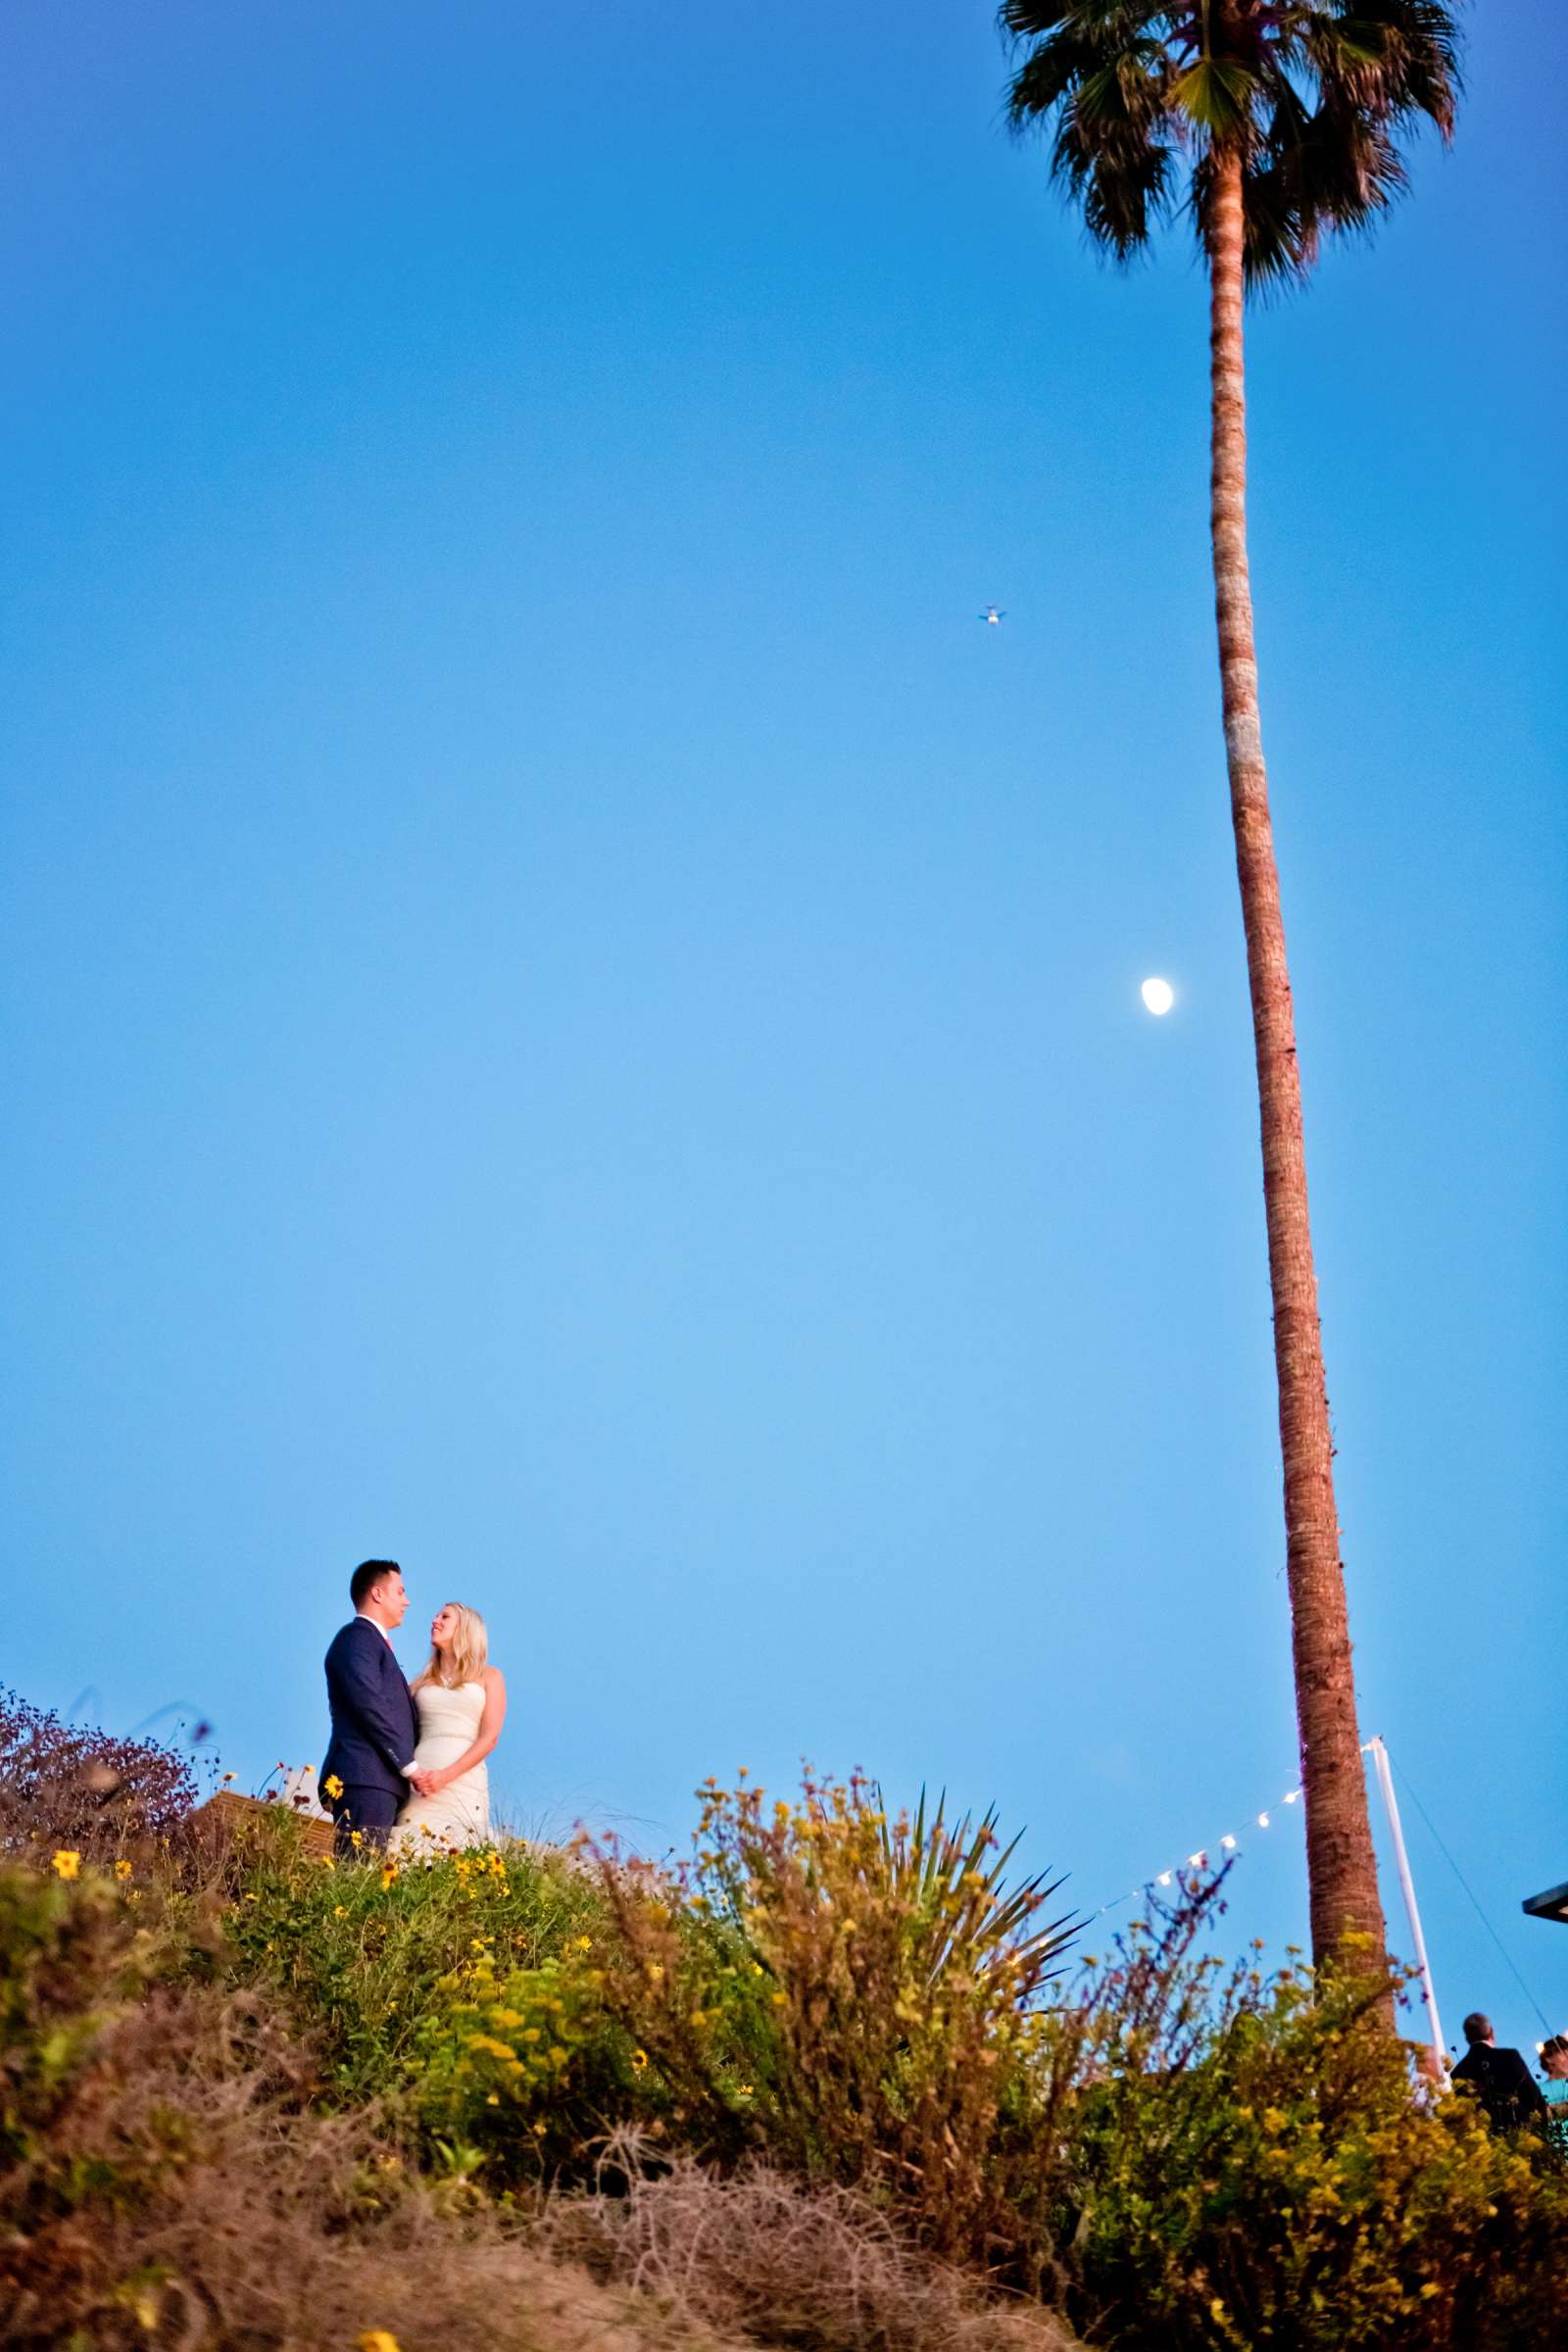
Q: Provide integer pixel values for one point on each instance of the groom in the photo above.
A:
(369, 1758)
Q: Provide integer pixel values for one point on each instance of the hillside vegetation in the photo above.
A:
(836, 2085)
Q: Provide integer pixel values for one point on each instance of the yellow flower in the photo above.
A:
(337, 1911)
(121, 1868)
(67, 1865)
(585, 1943)
(356, 1839)
(639, 2059)
(334, 1788)
(376, 2339)
(389, 1874)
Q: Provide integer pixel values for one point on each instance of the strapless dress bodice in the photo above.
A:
(459, 1814)
(450, 1717)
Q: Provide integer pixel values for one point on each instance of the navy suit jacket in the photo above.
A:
(374, 1726)
(1503, 2084)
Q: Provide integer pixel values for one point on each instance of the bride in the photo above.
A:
(461, 1704)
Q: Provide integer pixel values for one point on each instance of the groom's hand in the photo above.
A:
(425, 1784)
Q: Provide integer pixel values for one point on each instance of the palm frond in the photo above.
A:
(1218, 95)
(1398, 58)
(1313, 95)
(1022, 19)
(1123, 204)
(1051, 71)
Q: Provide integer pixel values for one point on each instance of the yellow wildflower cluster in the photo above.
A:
(515, 2039)
(481, 1873)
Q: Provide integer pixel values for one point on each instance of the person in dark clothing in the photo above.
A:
(369, 1768)
(1499, 2080)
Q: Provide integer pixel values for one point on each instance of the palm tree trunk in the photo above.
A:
(1341, 1869)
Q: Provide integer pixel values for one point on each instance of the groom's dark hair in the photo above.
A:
(366, 1576)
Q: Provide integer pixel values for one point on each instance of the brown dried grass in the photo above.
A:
(815, 2268)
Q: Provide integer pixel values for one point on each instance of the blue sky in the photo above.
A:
(572, 1015)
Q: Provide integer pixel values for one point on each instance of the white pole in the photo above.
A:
(1380, 1759)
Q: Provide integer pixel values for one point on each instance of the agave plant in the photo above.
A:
(861, 1998)
(951, 1884)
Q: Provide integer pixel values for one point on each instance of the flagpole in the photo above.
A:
(1390, 1806)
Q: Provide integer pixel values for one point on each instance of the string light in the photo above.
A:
(1199, 1861)
(1230, 1844)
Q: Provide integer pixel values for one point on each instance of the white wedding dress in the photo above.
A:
(459, 1813)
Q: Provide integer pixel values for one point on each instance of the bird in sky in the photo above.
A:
(992, 617)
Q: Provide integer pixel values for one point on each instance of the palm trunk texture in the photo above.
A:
(1341, 1869)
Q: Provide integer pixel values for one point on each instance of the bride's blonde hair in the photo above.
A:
(466, 1652)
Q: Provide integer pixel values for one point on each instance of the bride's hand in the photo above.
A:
(425, 1784)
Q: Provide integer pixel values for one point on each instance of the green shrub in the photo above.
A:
(82, 1972)
(859, 1998)
(855, 1999)
(367, 1954)
(528, 2070)
(1178, 2158)
(1257, 2163)
(67, 1956)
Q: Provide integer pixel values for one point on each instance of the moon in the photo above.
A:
(1158, 995)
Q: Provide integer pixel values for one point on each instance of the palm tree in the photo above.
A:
(1273, 122)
